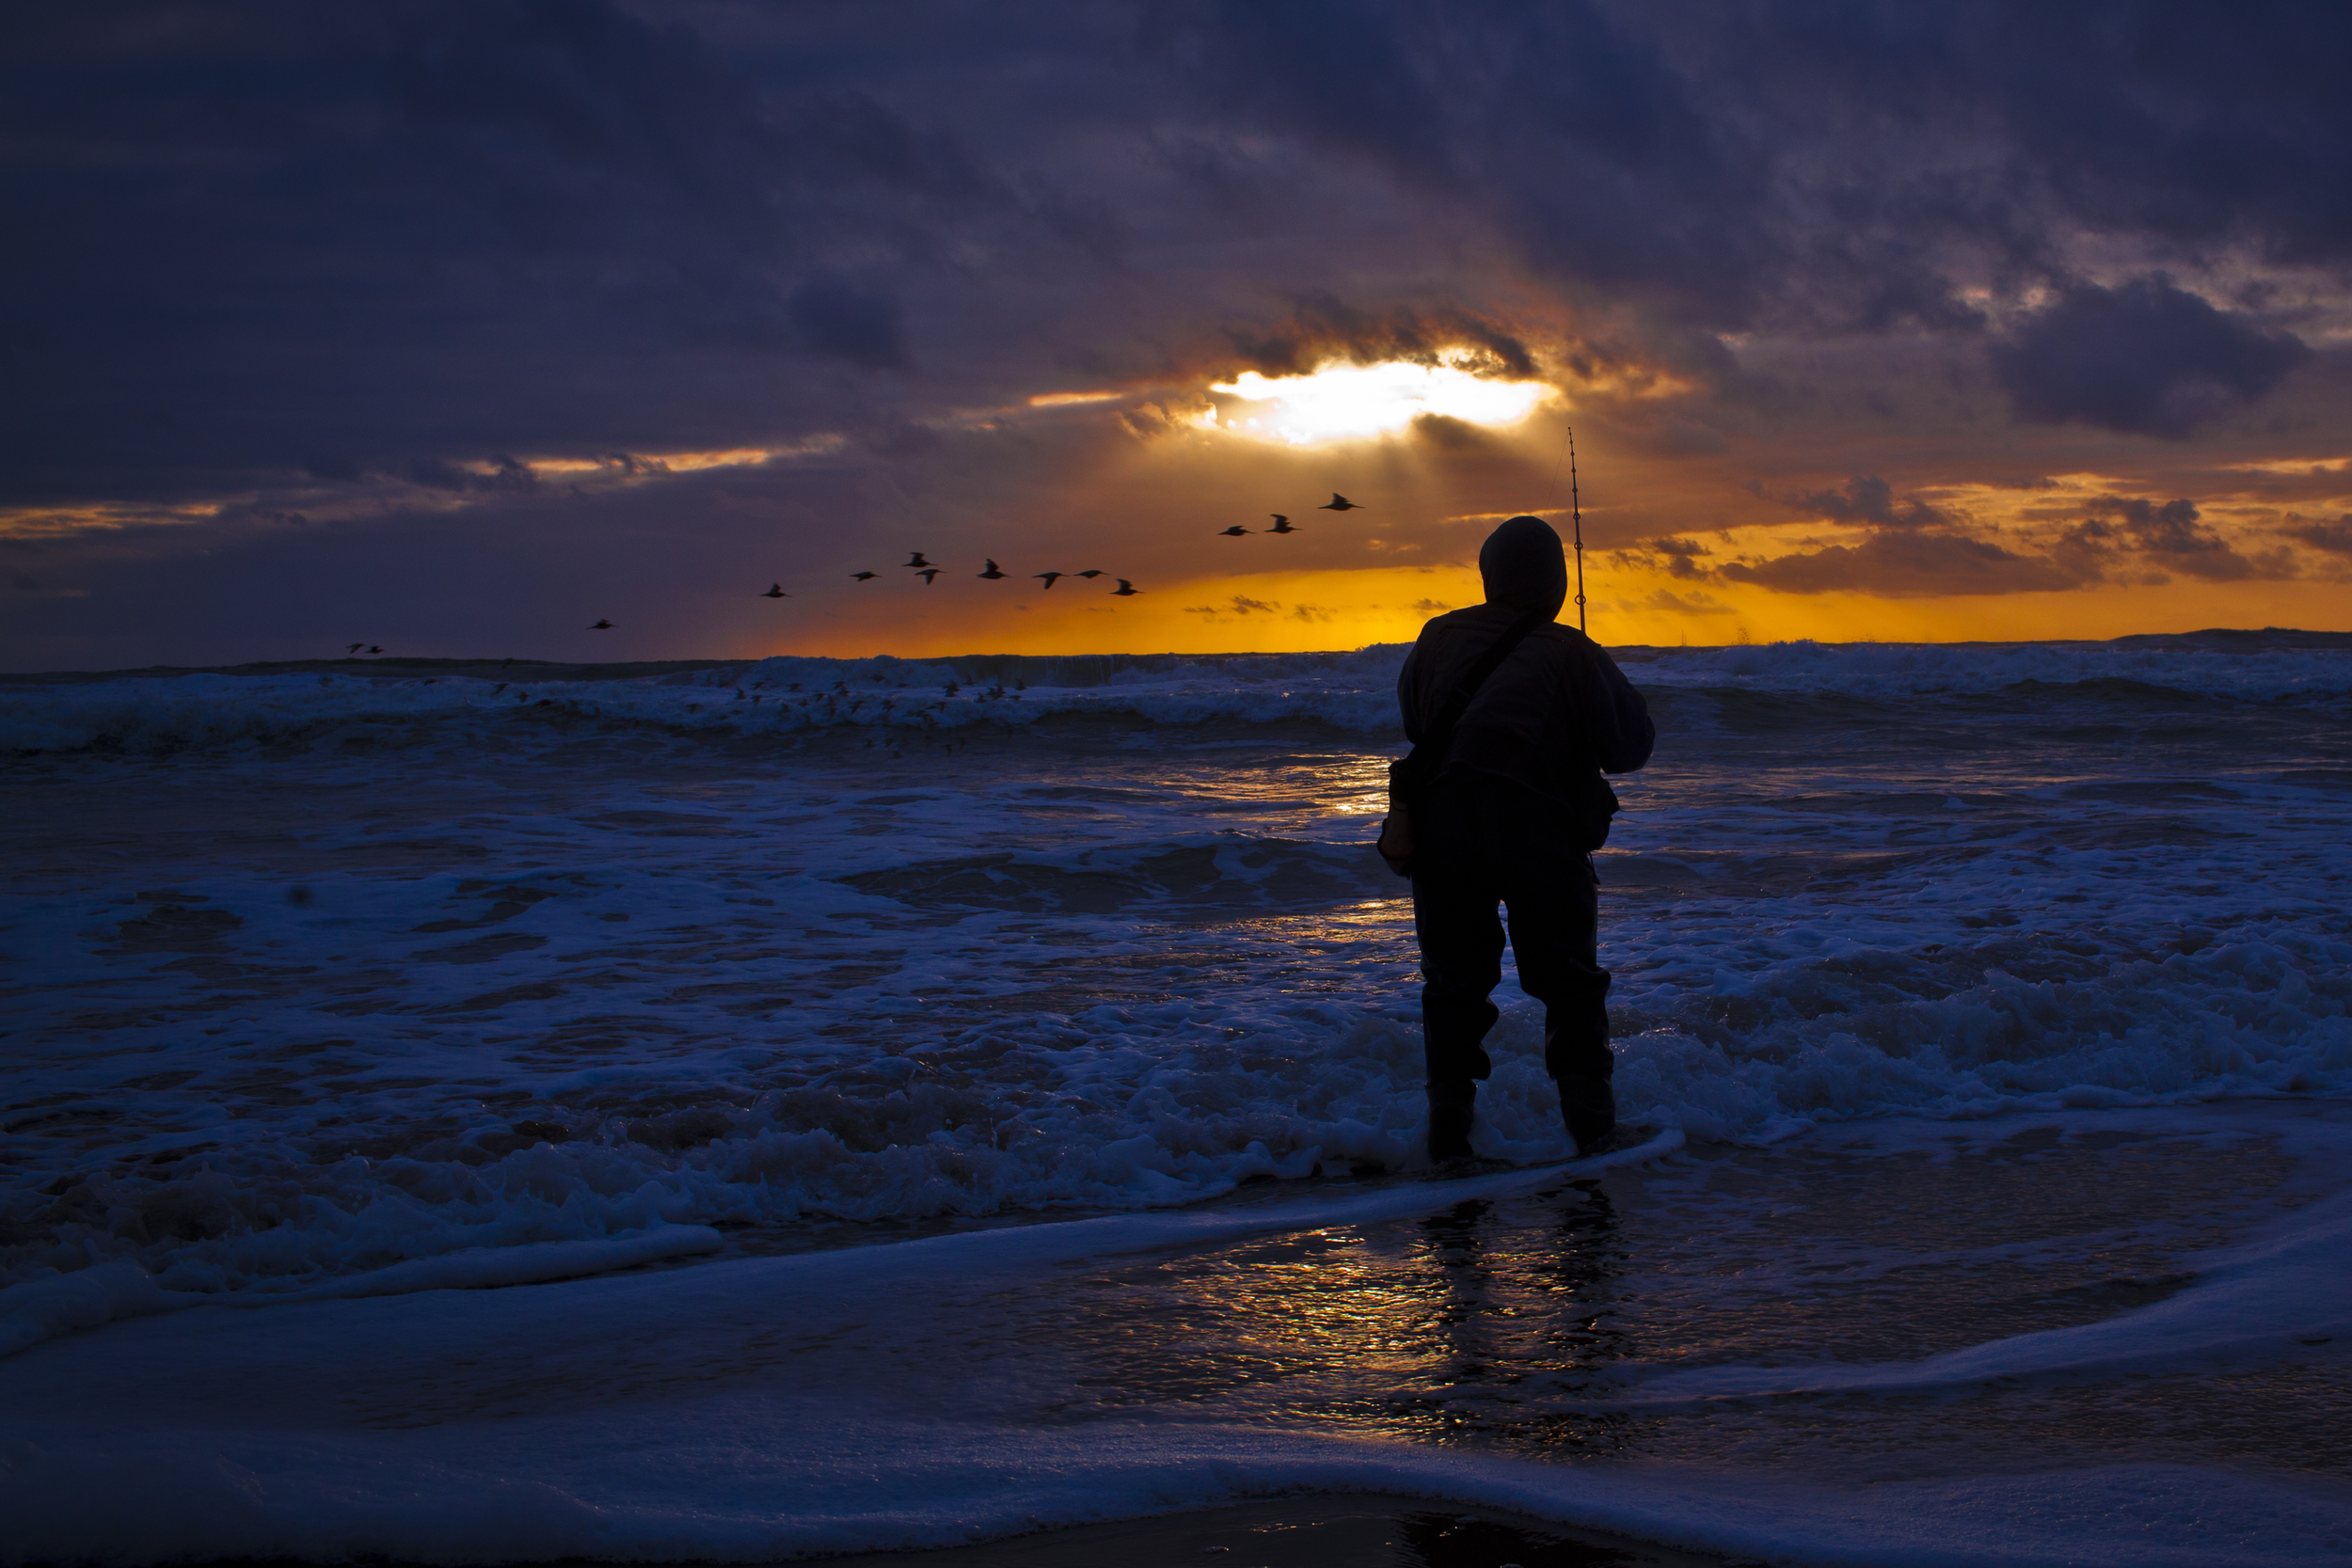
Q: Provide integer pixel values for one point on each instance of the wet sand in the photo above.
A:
(1726, 1345)
(1315, 1532)
(1321, 1531)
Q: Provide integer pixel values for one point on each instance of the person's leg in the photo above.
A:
(1555, 942)
(1555, 946)
(1461, 963)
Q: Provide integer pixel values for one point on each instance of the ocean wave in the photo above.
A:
(1147, 1104)
(1351, 691)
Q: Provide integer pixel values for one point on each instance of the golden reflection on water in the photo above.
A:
(1427, 1329)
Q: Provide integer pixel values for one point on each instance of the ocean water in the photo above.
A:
(2022, 970)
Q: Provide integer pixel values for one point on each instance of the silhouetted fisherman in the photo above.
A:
(1514, 807)
(775, 591)
(863, 576)
(992, 573)
(1282, 523)
(1233, 532)
(1047, 578)
(1339, 504)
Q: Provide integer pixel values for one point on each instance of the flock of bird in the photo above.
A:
(923, 568)
(928, 571)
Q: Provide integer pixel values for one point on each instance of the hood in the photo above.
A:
(1524, 566)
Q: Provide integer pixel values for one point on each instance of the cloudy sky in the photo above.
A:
(455, 328)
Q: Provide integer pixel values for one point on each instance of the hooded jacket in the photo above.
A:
(1557, 713)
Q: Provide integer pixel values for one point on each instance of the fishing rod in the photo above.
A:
(1576, 518)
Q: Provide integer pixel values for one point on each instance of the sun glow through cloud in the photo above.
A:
(1341, 403)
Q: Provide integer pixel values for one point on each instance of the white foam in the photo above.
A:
(62, 1303)
(479, 1268)
(110, 1292)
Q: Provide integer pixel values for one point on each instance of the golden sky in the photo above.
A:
(1989, 534)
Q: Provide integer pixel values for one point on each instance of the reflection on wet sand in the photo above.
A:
(1433, 1329)
(1529, 1324)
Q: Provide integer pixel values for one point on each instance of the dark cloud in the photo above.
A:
(1451, 435)
(2335, 538)
(1834, 164)
(1904, 563)
(501, 473)
(1678, 557)
(1865, 500)
(1321, 328)
(1238, 606)
(251, 239)
(263, 239)
(2146, 359)
(2124, 539)
(836, 317)
(1698, 602)
(2168, 537)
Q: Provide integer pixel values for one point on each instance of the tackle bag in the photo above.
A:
(1416, 770)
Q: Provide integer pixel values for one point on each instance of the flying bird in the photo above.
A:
(355, 647)
(1096, 573)
(1124, 589)
(602, 624)
(916, 561)
(775, 591)
(1233, 532)
(1339, 504)
(865, 576)
(992, 573)
(930, 575)
(376, 648)
(1281, 524)
(1048, 577)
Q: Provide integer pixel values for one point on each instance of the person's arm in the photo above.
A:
(1408, 695)
(1621, 730)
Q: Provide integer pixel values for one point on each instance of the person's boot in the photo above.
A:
(1450, 1105)
(1589, 1107)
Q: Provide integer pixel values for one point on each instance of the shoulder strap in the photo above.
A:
(1440, 729)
